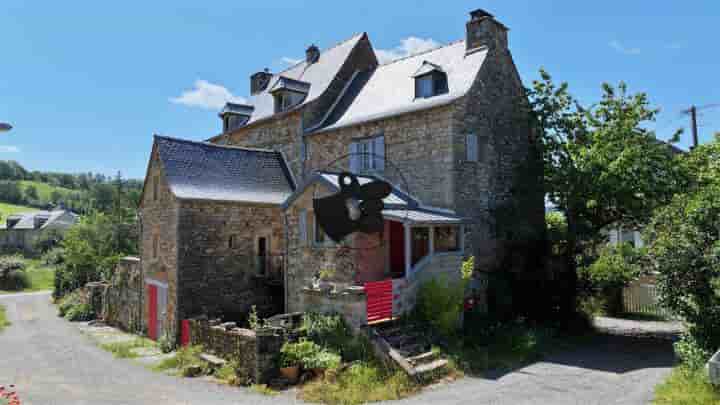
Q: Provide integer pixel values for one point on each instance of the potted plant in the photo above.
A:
(321, 361)
(289, 363)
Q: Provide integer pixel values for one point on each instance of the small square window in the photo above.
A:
(232, 242)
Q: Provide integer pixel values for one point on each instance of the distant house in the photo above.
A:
(21, 231)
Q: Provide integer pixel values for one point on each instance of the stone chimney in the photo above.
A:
(312, 54)
(259, 81)
(484, 30)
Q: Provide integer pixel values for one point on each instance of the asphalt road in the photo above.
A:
(50, 362)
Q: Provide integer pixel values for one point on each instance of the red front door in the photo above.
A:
(397, 249)
(152, 311)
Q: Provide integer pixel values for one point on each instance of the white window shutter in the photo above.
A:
(379, 153)
(354, 157)
(302, 225)
(471, 147)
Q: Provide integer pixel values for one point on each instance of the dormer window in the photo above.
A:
(288, 93)
(235, 116)
(430, 80)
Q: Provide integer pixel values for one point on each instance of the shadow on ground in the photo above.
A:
(604, 352)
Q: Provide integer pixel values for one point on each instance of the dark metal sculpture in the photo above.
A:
(355, 208)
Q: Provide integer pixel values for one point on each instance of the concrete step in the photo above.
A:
(423, 358)
(429, 367)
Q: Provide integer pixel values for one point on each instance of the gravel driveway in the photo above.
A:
(50, 362)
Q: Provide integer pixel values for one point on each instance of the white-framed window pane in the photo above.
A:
(379, 153)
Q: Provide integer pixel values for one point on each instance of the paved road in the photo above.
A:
(52, 363)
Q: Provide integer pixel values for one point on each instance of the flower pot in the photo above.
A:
(318, 371)
(291, 373)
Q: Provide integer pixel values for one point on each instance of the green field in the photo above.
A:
(44, 190)
(9, 209)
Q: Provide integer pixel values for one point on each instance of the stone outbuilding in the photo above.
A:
(212, 232)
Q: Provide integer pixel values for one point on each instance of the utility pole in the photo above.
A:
(693, 122)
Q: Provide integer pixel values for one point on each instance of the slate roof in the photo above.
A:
(390, 89)
(318, 75)
(399, 205)
(27, 220)
(235, 108)
(205, 171)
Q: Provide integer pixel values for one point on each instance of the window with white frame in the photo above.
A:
(475, 148)
(368, 155)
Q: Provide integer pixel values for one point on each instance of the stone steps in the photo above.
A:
(408, 347)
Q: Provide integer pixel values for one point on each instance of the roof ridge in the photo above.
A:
(337, 44)
(449, 44)
(215, 145)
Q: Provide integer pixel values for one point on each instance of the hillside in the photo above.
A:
(44, 190)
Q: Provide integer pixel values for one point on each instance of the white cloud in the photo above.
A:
(616, 45)
(290, 61)
(408, 46)
(9, 149)
(207, 95)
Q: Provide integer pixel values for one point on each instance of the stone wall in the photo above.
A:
(123, 298)
(159, 221)
(307, 258)
(350, 302)
(220, 277)
(502, 194)
(417, 143)
(282, 133)
(256, 353)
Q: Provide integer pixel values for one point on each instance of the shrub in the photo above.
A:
(331, 332)
(690, 353)
(53, 257)
(614, 269)
(322, 359)
(72, 308)
(12, 273)
(440, 304)
(80, 312)
(688, 387)
(295, 354)
(166, 342)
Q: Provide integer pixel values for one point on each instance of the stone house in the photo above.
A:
(22, 231)
(448, 128)
(211, 231)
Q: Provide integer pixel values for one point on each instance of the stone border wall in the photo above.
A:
(120, 302)
(257, 353)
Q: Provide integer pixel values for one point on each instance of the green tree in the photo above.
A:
(601, 166)
(31, 193)
(683, 241)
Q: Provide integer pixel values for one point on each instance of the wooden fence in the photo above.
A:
(643, 298)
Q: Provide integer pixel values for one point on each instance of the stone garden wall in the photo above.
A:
(257, 353)
(120, 302)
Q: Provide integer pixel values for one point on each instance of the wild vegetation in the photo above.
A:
(82, 193)
(4, 323)
(632, 172)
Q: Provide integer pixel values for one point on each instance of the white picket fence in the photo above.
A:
(643, 298)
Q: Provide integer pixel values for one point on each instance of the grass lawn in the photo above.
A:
(44, 190)
(687, 387)
(3, 319)
(9, 209)
(40, 277)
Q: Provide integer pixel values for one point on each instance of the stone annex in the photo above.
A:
(228, 224)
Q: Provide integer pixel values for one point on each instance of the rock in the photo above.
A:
(192, 371)
(228, 325)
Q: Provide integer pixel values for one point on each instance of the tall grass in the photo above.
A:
(4, 323)
(124, 350)
(688, 387)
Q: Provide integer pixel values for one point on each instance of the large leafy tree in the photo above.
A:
(602, 166)
(684, 247)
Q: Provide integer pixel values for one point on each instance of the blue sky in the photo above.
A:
(86, 84)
